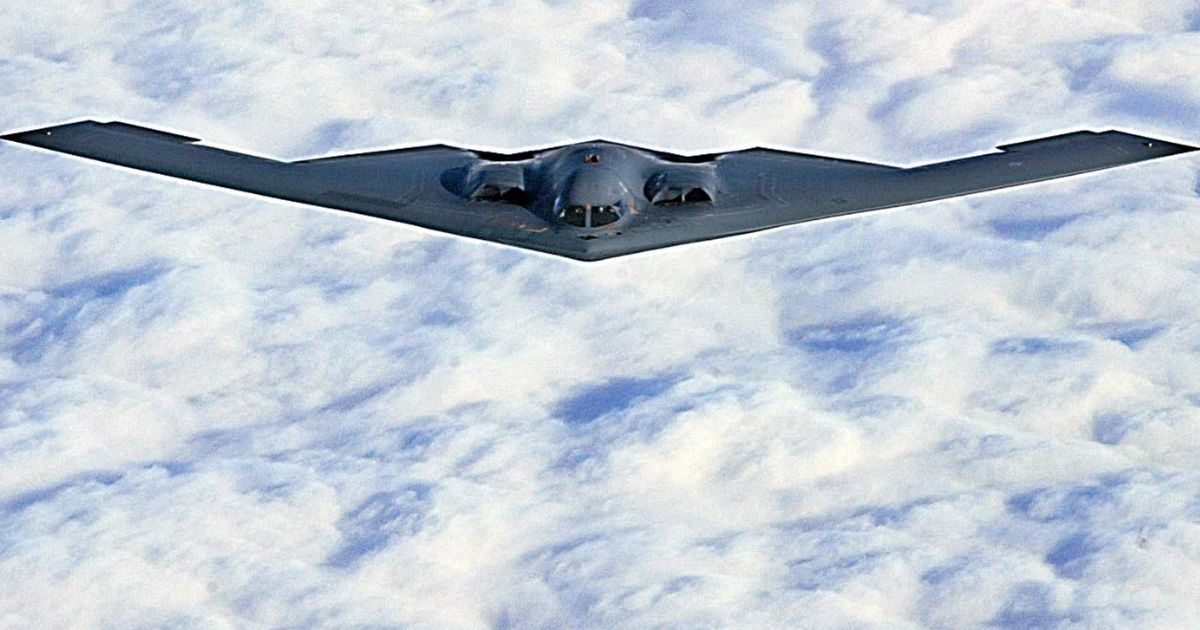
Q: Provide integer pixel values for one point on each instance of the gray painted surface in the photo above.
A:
(553, 200)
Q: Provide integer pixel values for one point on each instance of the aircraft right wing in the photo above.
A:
(767, 188)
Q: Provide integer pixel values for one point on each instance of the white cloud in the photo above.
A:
(1159, 68)
(222, 411)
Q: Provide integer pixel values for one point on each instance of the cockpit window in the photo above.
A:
(590, 216)
(603, 215)
(575, 215)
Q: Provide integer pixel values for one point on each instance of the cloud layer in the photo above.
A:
(218, 411)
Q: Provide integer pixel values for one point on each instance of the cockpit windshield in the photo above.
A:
(603, 215)
(574, 215)
(590, 216)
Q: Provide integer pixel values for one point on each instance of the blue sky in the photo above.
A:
(221, 411)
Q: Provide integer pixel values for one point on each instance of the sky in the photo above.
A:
(223, 411)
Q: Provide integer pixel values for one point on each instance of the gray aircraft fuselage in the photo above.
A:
(588, 188)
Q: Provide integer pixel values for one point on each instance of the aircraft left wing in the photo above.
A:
(399, 185)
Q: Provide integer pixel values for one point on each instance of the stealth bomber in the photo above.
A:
(599, 199)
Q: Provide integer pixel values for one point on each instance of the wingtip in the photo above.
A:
(1166, 147)
(56, 135)
(23, 137)
(40, 135)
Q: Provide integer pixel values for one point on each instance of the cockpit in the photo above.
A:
(592, 195)
(590, 216)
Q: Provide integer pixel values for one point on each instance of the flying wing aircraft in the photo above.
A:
(599, 199)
